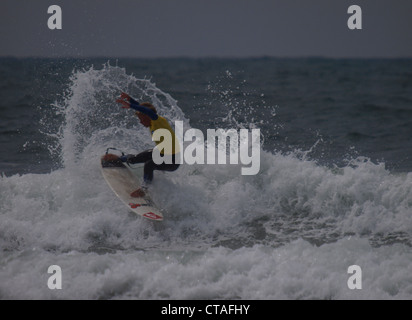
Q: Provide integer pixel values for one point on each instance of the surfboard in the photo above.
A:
(123, 182)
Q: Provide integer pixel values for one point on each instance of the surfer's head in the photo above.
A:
(145, 119)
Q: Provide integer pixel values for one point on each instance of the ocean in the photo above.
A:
(334, 187)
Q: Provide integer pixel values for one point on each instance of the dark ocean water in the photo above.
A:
(334, 187)
(361, 107)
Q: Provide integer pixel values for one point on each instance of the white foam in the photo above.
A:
(295, 271)
(225, 235)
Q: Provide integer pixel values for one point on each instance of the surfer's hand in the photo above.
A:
(124, 100)
(124, 96)
(126, 158)
(125, 104)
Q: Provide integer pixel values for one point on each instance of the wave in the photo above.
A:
(205, 205)
(289, 232)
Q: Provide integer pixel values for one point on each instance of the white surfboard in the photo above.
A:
(123, 182)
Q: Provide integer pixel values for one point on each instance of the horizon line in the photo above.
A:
(211, 57)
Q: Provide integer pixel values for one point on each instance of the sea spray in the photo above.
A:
(289, 197)
(289, 232)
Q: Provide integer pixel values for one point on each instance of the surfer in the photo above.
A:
(149, 118)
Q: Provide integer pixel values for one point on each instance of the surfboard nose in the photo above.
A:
(111, 160)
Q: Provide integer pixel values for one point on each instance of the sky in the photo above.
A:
(206, 28)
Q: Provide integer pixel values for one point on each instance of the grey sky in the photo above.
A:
(198, 28)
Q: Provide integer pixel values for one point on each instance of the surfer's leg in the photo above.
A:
(147, 179)
(165, 166)
(150, 166)
(141, 157)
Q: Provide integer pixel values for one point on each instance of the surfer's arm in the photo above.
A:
(128, 102)
(136, 106)
(133, 101)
